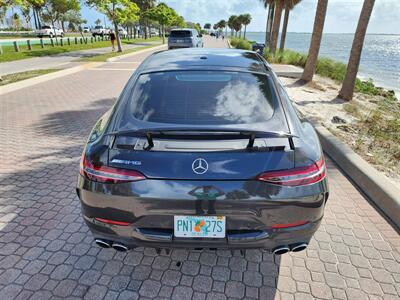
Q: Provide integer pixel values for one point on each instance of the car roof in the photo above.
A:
(179, 29)
(205, 58)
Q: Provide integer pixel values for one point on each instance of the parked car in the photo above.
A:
(122, 32)
(100, 30)
(85, 29)
(50, 31)
(184, 38)
(203, 149)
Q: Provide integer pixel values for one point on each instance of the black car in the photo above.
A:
(203, 149)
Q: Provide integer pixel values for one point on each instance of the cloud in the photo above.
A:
(342, 15)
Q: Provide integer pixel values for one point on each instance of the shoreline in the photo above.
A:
(380, 59)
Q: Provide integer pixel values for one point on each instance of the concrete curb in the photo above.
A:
(42, 78)
(111, 59)
(374, 184)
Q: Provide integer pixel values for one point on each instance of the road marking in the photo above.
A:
(111, 69)
(125, 62)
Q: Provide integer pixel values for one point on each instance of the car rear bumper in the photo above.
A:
(149, 207)
(180, 45)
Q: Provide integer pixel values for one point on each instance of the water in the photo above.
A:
(380, 57)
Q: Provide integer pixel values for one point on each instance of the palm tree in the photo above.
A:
(289, 4)
(144, 6)
(246, 19)
(270, 4)
(347, 90)
(316, 37)
(231, 23)
(279, 4)
(237, 24)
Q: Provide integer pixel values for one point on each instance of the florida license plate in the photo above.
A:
(199, 226)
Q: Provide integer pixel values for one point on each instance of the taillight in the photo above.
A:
(297, 176)
(107, 174)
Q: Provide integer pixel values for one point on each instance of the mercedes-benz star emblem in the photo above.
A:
(200, 166)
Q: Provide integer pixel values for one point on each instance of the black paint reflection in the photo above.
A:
(206, 193)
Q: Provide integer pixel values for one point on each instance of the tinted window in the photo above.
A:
(201, 97)
(98, 27)
(181, 33)
(46, 27)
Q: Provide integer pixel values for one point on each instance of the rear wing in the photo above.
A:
(202, 134)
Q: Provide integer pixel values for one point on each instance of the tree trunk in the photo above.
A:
(34, 18)
(163, 33)
(117, 37)
(63, 26)
(347, 90)
(55, 35)
(244, 34)
(271, 10)
(275, 27)
(316, 37)
(284, 29)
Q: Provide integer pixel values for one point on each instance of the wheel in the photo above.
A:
(50, 35)
(93, 35)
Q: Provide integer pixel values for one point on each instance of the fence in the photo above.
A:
(53, 42)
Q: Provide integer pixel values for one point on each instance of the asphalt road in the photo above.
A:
(46, 250)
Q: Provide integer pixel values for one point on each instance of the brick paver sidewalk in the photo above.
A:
(46, 250)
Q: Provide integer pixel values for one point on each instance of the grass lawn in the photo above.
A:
(105, 56)
(10, 55)
(10, 78)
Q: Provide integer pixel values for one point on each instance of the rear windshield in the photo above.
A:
(180, 33)
(98, 27)
(46, 27)
(201, 98)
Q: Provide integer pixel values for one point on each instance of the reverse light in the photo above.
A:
(298, 176)
(107, 174)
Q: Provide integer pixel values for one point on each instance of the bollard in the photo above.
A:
(52, 42)
(16, 46)
(41, 43)
(102, 38)
(91, 39)
(61, 42)
(68, 42)
(86, 40)
(28, 43)
(80, 41)
(76, 41)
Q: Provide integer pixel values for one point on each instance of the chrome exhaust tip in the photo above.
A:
(298, 247)
(281, 250)
(120, 247)
(103, 243)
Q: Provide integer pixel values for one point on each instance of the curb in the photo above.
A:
(111, 59)
(380, 190)
(39, 79)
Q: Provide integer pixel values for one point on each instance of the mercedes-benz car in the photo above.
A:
(203, 149)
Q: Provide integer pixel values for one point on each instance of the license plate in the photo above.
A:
(199, 226)
(179, 41)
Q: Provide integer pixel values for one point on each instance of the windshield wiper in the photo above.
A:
(203, 134)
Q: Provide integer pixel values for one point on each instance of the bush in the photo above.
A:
(240, 43)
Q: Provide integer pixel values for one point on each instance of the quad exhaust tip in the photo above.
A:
(120, 247)
(281, 250)
(298, 247)
(103, 243)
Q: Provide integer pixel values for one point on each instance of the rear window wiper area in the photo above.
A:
(203, 134)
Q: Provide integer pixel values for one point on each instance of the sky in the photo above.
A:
(342, 15)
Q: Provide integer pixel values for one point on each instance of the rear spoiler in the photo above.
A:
(202, 134)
